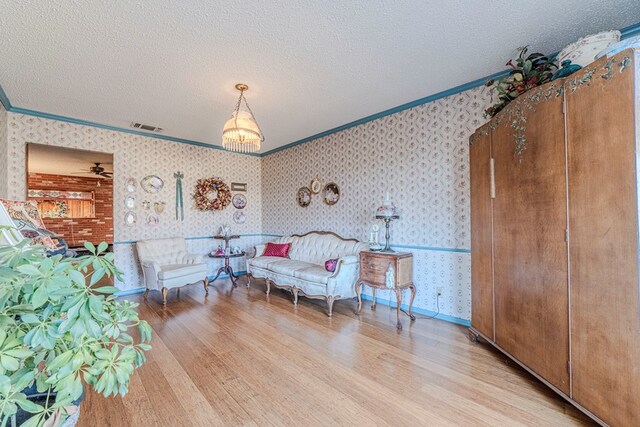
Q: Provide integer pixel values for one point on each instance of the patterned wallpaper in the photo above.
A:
(138, 156)
(3, 151)
(419, 156)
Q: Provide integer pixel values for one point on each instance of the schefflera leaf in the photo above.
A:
(59, 328)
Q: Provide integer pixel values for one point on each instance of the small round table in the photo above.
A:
(226, 268)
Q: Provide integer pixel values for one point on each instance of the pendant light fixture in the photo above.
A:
(241, 132)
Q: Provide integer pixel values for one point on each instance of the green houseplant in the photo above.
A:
(528, 71)
(60, 330)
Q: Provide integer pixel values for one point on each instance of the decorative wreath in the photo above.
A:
(206, 188)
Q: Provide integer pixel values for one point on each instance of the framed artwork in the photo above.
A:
(331, 194)
(238, 186)
(304, 197)
(239, 201)
(315, 185)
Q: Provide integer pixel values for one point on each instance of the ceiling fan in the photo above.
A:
(97, 170)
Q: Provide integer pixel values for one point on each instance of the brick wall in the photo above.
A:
(78, 230)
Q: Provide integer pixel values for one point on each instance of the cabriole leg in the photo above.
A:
(398, 309)
(330, 305)
(165, 291)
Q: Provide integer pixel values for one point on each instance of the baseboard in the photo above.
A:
(140, 290)
(420, 311)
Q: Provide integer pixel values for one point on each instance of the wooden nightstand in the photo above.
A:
(374, 267)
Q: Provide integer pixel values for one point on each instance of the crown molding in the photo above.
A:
(626, 32)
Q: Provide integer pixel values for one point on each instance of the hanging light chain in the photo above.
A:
(254, 118)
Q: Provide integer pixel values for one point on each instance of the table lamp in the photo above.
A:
(387, 212)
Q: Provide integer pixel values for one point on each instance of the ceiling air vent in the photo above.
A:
(146, 127)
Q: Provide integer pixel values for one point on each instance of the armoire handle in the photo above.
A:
(493, 179)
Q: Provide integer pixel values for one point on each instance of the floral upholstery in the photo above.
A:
(27, 219)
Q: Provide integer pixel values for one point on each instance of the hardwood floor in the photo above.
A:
(240, 358)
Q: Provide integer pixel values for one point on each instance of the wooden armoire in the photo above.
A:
(554, 236)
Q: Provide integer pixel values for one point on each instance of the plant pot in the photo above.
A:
(40, 398)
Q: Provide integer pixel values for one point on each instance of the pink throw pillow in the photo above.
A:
(330, 265)
(277, 249)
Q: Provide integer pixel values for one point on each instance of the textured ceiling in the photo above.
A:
(65, 161)
(311, 66)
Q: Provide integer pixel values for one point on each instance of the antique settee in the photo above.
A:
(304, 272)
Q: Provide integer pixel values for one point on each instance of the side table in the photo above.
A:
(390, 271)
(226, 268)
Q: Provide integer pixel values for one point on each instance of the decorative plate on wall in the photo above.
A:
(239, 201)
(152, 183)
(331, 194)
(130, 202)
(131, 185)
(130, 219)
(152, 219)
(304, 197)
(239, 217)
(315, 185)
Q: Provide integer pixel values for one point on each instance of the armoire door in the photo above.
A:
(530, 249)
(481, 235)
(603, 239)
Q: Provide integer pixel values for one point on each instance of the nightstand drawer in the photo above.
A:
(375, 266)
(372, 276)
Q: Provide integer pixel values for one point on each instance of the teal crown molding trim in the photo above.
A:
(453, 91)
(420, 311)
(142, 289)
(630, 31)
(34, 113)
(626, 32)
(4, 100)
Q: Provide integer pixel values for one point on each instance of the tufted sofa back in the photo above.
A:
(162, 251)
(316, 247)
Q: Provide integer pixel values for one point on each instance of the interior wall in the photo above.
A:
(138, 156)
(76, 231)
(4, 174)
(419, 156)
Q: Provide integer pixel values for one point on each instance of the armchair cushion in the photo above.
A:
(173, 271)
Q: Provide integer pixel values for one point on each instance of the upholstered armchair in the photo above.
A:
(167, 265)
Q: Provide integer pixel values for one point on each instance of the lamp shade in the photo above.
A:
(387, 209)
(241, 133)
